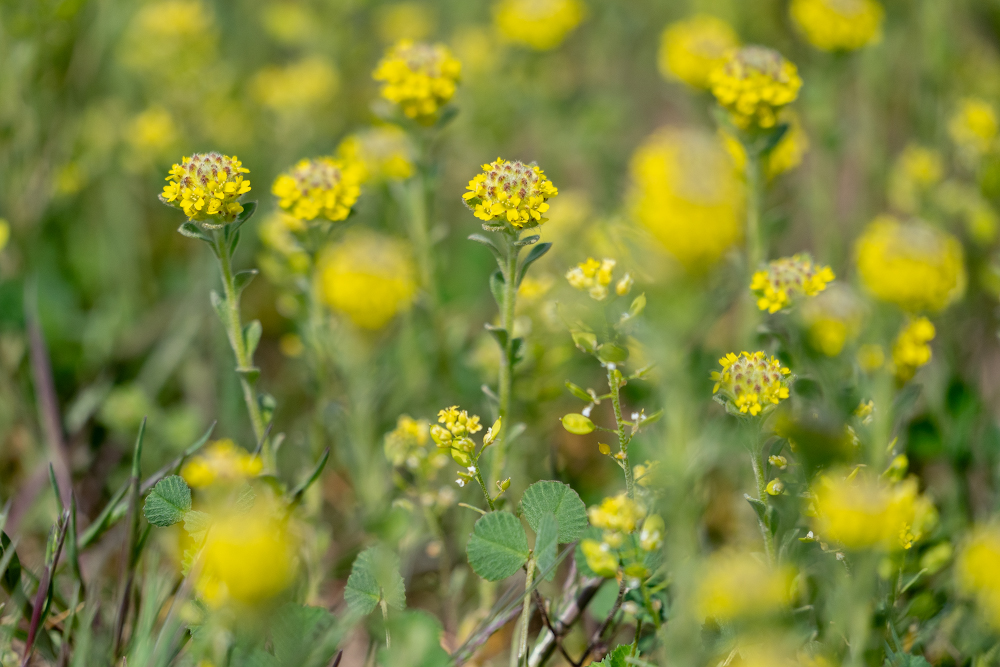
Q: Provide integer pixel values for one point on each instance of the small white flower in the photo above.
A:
(612, 366)
(472, 469)
(586, 411)
(460, 482)
(635, 416)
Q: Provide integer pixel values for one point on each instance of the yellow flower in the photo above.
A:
(787, 279)
(600, 557)
(736, 585)
(323, 186)
(838, 25)
(753, 84)
(751, 383)
(857, 512)
(420, 78)
(974, 126)
(307, 83)
(152, 131)
(170, 41)
(651, 535)
(832, 319)
(592, 276)
(221, 462)
(407, 445)
(785, 156)
(4, 233)
(514, 192)
(617, 516)
(692, 48)
(977, 573)
(381, 153)
(687, 193)
(915, 266)
(911, 349)
(454, 435)
(207, 187)
(367, 277)
(916, 170)
(539, 24)
(405, 20)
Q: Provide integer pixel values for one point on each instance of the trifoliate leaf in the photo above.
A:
(616, 658)
(546, 544)
(168, 501)
(577, 424)
(374, 577)
(245, 498)
(196, 525)
(550, 496)
(498, 546)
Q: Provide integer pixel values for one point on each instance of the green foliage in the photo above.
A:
(416, 642)
(559, 499)
(167, 503)
(375, 577)
(498, 546)
(616, 658)
(546, 544)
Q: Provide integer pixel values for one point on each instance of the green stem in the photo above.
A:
(506, 381)
(526, 611)
(757, 460)
(614, 383)
(755, 245)
(385, 620)
(234, 330)
(482, 485)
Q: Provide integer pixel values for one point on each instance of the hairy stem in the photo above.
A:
(482, 485)
(506, 382)
(614, 383)
(757, 461)
(526, 611)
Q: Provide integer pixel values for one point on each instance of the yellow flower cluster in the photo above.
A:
(207, 187)
(367, 277)
(221, 462)
(407, 445)
(751, 383)
(539, 24)
(977, 573)
(595, 277)
(688, 195)
(169, 40)
(917, 267)
(418, 77)
(857, 512)
(753, 84)
(619, 517)
(838, 25)
(307, 83)
(735, 586)
(454, 435)
(832, 319)
(786, 155)
(381, 153)
(974, 126)
(152, 131)
(323, 186)
(515, 192)
(916, 170)
(911, 349)
(787, 279)
(692, 48)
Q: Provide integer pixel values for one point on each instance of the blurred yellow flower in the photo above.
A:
(915, 266)
(4, 233)
(592, 276)
(915, 171)
(420, 78)
(870, 357)
(405, 20)
(618, 516)
(207, 187)
(968, 203)
(479, 50)
(974, 126)
(753, 84)
(152, 131)
(407, 446)
(838, 25)
(785, 156)
(977, 572)
(221, 462)
(277, 233)
(383, 152)
(320, 187)
(735, 585)
(911, 349)
(751, 383)
(291, 345)
(308, 83)
(832, 319)
(692, 48)
(367, 277)
(169, 40)
(539, 24)
(788, 279)
(600, 557)
(651, 535)
(289, 22)
(514, 192)
(687, 193)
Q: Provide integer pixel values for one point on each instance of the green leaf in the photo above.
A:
(578, 391)
(638, 305)
(375, 577)
(577, 424)
(497, 286)
(759, 507)
(616, 658)
(585, 340)
(233, 242)
(168, 501)
(196, 524)
(499, 334)
(546, 544)
(245, 499)
(498, 546)
(612, 354)
(244, 278)
(303, 635)
(193, 231)
(488, 242)
(562, 501)
(251, 334)
(533, 256)
(527, 240)
(300, 490)
(248, 210)
(416, 642)
(218, 305)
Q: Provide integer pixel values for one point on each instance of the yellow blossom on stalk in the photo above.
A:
(534, 288)
(307, 83)
(221, 462)
(687, 193)
(207, 187)
(735, 585)
(407, 445)
(832, 319)
(617, 516)
(977, 573)
(788, 279)
(381, 153)
(600, 557)
(786, 155)
(169, 40)
(916, 170)
(592, 276)
(152, 131)
(539, 24)
(651, 534)
(420, 78)
(320, 187)
(454, 435)
(510, 191)
(838, 25)
(753, 84)
(915, 266)
(858, 512)
(367, 277)
(974, 126)
(692, 48)
(911, 349)
(751, 383)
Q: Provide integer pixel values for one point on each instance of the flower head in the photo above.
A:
(618, 516)
(753, 84)
(751, 383)
(367, 277)
(912, 349)
(512, 191)
(788, 279)
(915, 172)
(323, 186)
(735, 585)
(915, 266)
(838, 25)
(458, 425)
(977, 573)
(207, 187)
(690, 49)
(974, 126)
(152, 131)
(408, 446)
(221, 462)
(592, 276)
(539, 24)
(600, 557)
(420, 78)
(381, 153)
(832, 319)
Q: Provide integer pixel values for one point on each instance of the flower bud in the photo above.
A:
(441, 436)
(779, 462)
(604, 448)
(775, 487)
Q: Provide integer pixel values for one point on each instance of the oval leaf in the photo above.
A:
(549, 496)
(168, 501)
(498, 546)
(374, 577)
